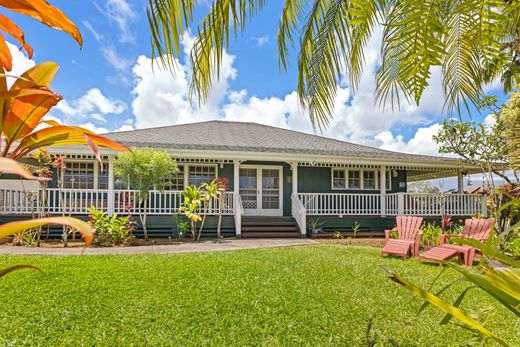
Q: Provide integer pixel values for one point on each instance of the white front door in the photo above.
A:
(260, 188)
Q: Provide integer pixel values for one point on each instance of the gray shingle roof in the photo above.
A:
(251, 137)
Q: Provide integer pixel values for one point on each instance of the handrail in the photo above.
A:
(299, 213)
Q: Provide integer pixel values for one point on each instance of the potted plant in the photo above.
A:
(315, 225)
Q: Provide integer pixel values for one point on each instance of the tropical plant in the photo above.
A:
(182, 225)
(145, 169)
(222, 186)
(190, 207)
(109, 230)
(356, 228)
(315, 224)
(492, 276)
(510, 113)
(473, 42)
(431, 234)
(42, 12)
(210, 194)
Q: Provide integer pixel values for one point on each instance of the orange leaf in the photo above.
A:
(40, 75)
(17, 226)
(5, 55)
(26, 112)
(44, 13)
(10, 166)
(12, 29)
(62, 135)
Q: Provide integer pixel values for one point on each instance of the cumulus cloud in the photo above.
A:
(421, 143)
(122, 15)
(94, 128)
(21, 63)
(163, 99)
(93, 105)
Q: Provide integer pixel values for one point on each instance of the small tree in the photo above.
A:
(145, 169)
(190, 206)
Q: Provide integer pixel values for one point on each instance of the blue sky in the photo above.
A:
(108, 85)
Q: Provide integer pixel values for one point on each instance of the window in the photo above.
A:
(79, 175)
(103, 176)
(176, 182)
(354, 179)
(369, 180)
(338, 179)
(201, 174)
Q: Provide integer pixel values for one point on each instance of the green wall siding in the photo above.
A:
(227, 171)
(319, 180)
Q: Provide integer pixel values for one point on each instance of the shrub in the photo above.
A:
(431, 234)
(109, 231)
(512, 246)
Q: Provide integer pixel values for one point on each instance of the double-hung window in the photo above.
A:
(79, 175)
(198, 174)
(357, 179)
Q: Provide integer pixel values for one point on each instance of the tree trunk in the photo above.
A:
(143, 219)
(219, 217)
(201, 227)
(193, 230)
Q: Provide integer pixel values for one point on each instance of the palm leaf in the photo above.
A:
(9, 269)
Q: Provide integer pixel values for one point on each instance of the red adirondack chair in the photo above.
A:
(409, 234)
(478, 229)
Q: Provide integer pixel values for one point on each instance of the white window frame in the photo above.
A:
(187, 171)
(362, 179)
(95, 167)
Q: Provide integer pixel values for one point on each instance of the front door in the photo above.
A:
(261, 190)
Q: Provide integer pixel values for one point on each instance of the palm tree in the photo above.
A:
(474, 42)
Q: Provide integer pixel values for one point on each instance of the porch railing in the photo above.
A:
(77, 201)
(419, 204)
(299, 213)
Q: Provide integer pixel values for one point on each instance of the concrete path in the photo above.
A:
(207, 246)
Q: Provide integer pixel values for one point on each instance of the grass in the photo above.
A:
(316, 295)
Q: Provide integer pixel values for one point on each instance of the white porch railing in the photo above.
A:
(419, 204)
(299, 213)
(77, 201)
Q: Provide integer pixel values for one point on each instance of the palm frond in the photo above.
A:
(168, 21)
(291, 15)
(213, 38)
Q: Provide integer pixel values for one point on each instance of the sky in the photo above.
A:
(109, 84)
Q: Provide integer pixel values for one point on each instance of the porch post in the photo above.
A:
(110, 198)
(294, 168)
(484, 209)
(237, 210)
(460, 182)
(382, 189)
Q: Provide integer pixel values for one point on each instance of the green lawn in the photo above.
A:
(316, 295)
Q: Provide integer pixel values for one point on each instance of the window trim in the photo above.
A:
(361, 177)
(95, 168)
(187, 171)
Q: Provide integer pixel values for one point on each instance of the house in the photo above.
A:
(278, 181)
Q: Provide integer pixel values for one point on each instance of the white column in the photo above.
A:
(484, 209)
(237, 209)
(96, 173)
(110, 198)
(460, 182)
(382, 189)
(294, 167)
(236, 175)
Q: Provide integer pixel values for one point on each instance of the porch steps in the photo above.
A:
(269, 227)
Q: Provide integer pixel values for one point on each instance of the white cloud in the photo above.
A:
(122, 14)
(421, 143)
(93, 105)
(113, 58)
(93, 31)
(21, 63)
(262, 40)
(93, 128)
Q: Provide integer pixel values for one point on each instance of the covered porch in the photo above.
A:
(301, 190)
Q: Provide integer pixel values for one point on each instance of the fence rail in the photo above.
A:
(77, 201)
(393, 204)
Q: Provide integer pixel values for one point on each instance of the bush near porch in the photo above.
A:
(287, 296)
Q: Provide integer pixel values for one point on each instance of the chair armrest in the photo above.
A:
(419, 236)
(444, 238)
(387, 233)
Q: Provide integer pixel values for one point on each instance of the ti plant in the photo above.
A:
(497, 274)
(190, 207)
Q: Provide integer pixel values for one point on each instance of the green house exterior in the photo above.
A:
(273, 173)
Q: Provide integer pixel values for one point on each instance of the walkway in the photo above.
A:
(208, 246)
